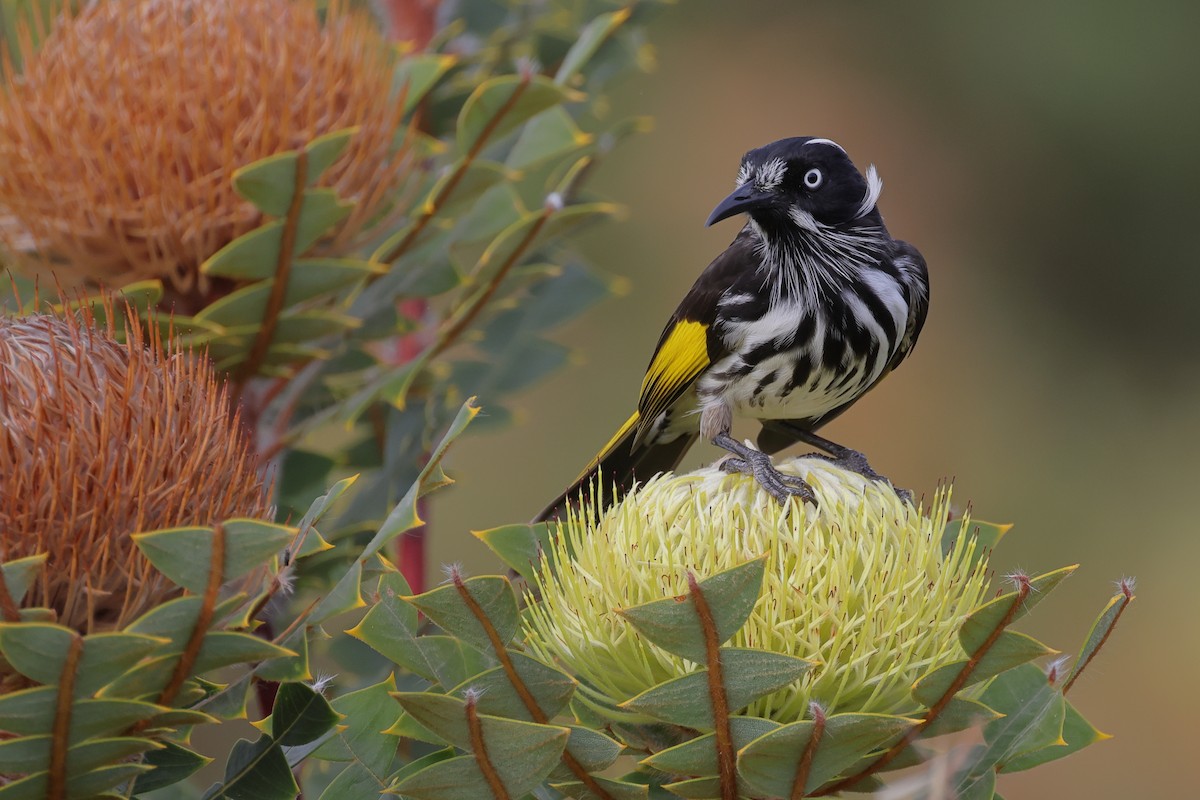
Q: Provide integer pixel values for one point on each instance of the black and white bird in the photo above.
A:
(810, 306)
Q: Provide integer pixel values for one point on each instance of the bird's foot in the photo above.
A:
(854, 461)
(748, 461)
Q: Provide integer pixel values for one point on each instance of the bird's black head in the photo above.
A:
(803, 182)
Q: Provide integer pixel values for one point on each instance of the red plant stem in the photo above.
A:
(56, 778)
(479, 749)
(1116, 617)
(723, 732)
(520, 687)
(806, 758)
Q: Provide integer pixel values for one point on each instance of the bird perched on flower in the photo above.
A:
(810, 306)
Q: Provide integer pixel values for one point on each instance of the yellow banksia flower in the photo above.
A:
(120, 136)
(858, 584)
(100, 439)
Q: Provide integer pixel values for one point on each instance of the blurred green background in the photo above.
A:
(1043, 157)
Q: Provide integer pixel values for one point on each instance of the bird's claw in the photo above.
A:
(854, 461)
(779, 485)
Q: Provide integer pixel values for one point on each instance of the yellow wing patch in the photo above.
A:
(677, 363)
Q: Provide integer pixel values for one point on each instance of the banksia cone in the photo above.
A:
(119, 139)
(858, 584)
(99, 440)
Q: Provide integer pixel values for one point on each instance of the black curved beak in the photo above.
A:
(744, 198)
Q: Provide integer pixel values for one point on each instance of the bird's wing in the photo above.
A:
(688, 345)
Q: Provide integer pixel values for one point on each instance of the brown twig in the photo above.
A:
(1127, 592)
(722, 729)
(56, 778)
(283, 271)
(810, 751)
(479, 749)
(519, 685)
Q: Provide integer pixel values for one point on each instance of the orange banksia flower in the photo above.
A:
(101, 439)
(119, 139)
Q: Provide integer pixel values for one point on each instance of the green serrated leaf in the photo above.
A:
(613, 790)
(30, 712)
(500, 104)
(185, 554)
(20, 573)
(521, 547)
(268, 183)
(416, 74)
(367, 716)
(1096, 637)
(551, 134)
(986, 534)
(1077, 734)
(86, 785)
(256, 771)
(549, 688)
(27, 753)
(983, 621)
(170, 765)
(224, 648)
(590, 38)
(698, 756)
(769, 763)
(1011, 649)
(462, 185)
(491, 596)
(673, 623)
(39, 652)
(300, 715)
(959, 714)
(686, 701)
(452, 661)
(522, 754)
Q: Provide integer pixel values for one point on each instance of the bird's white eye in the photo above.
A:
(813, 178)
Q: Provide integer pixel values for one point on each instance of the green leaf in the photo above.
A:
(185, 554)
(390, 626)
(769, 763)
(1077, 733)
(39, 652)
(324, 151)
(1096, 637)
(256, 771)
(983, 621)
(523, 236)
(322, 505)
(416, 74)
(20, 573)
(750, 674)
(490, 595)
(521, 547)
(268, 183)
(593, 750)
(551, 134)
(698, 756)
(255, 255)
(345, 596)
(1010, 650)
(224, 648)
(673, 623)
(522, 753)
(462, 185)
(551, 689)
(1034, 713)
(613, 789)
(500, 104)
(404, 516)
(30, 712)
(451, 660)
(300, 715)
(960, 714)
(172, 764)
(20, 755)
(367, 715)
(590, 38)
(86, 785)
(986, 534)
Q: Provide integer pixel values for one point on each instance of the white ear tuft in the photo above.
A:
(874, 187)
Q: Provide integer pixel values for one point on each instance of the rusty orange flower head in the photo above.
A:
(119, 139)
(100, 439)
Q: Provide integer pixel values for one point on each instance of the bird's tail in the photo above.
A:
(621, 463)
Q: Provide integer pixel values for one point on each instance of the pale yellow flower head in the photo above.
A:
(858, 583)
